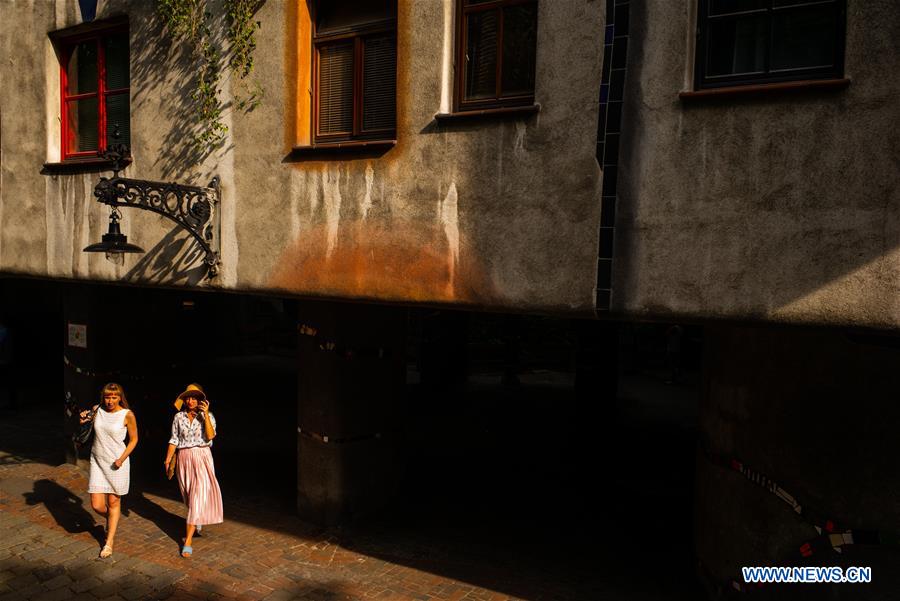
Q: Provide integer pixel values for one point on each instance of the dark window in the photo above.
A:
(742, 42)
(355, 70)
(496, 46)
(95, 84)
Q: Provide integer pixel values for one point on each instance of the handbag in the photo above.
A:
(84, 431)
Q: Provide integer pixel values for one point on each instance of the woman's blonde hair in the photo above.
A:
(115, 388)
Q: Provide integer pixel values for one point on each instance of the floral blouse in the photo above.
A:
(187, 433)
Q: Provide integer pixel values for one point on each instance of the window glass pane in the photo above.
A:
(379, 82)
(804, 37)
(737, 46)
(334, 15)
(116, 61)
(117, 120)
(81, 72)
(519, 40)
(723, 7)
(336, 88)
(82, 116)
(481, 55)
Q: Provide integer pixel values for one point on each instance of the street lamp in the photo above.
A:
(192, 208)
(115, 243)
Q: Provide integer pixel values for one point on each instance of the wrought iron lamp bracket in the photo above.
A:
(193, 208)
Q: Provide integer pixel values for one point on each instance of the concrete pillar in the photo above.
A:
(443, 352)
(815, 412)
(596, 377)
(84, 340)
(352, 378)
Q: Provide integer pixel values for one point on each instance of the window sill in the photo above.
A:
(341, 147)
(765, 88)
(351, 149)
(505, 111)
(91, 165)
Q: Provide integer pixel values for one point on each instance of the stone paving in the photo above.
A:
(50, 539)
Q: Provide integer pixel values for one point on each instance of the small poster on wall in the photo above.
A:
(78, 335)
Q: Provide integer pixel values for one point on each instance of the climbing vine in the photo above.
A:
(189, 21)
(242, 42)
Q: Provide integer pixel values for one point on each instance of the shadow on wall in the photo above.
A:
(166, 69)
(176, 259)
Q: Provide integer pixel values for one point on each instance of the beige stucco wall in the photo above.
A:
(783, 207)
(776, 208)
(488, 213)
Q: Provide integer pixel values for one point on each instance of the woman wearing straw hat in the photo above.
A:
(193, 430)
(110, 474)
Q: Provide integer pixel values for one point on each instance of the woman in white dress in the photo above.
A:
(110, 468)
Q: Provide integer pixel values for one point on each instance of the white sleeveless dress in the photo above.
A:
(109, 444)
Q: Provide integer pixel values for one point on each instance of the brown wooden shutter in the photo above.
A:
(336, 88)
(379, 83)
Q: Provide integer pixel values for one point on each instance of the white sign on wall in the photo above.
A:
(78, 335)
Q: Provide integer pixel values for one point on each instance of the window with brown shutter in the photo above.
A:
(355, 70)
(496, 42)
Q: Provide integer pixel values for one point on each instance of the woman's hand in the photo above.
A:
(84, 417)
(118, 462)
(208, 430)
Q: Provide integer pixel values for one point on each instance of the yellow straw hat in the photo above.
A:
(192, 390)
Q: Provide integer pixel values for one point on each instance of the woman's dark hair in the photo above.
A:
(115, 388)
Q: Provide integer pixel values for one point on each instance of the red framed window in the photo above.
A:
(95, 91)
(354, 70)
(496, 45)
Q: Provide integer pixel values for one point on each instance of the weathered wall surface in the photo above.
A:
(784, 207)
(488, 213)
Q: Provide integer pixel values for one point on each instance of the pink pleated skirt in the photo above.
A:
(199, 487)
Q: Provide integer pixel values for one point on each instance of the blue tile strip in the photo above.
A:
(615, 47)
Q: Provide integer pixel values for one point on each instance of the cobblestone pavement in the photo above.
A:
(50, 539)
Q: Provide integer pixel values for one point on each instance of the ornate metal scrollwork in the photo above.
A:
(191, 207)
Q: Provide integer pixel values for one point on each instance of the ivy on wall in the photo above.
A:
(190, 22)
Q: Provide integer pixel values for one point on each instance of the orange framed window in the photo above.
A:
(354, 70)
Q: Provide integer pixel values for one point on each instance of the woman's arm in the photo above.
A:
(131, 425)
(170, 452)
(209, 424)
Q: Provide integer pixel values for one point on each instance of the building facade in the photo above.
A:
(729, 164)
(497, 210)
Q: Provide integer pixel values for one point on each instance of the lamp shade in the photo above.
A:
(114, 242)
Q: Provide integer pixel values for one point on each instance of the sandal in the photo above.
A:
(106, 551)
(187, 551)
